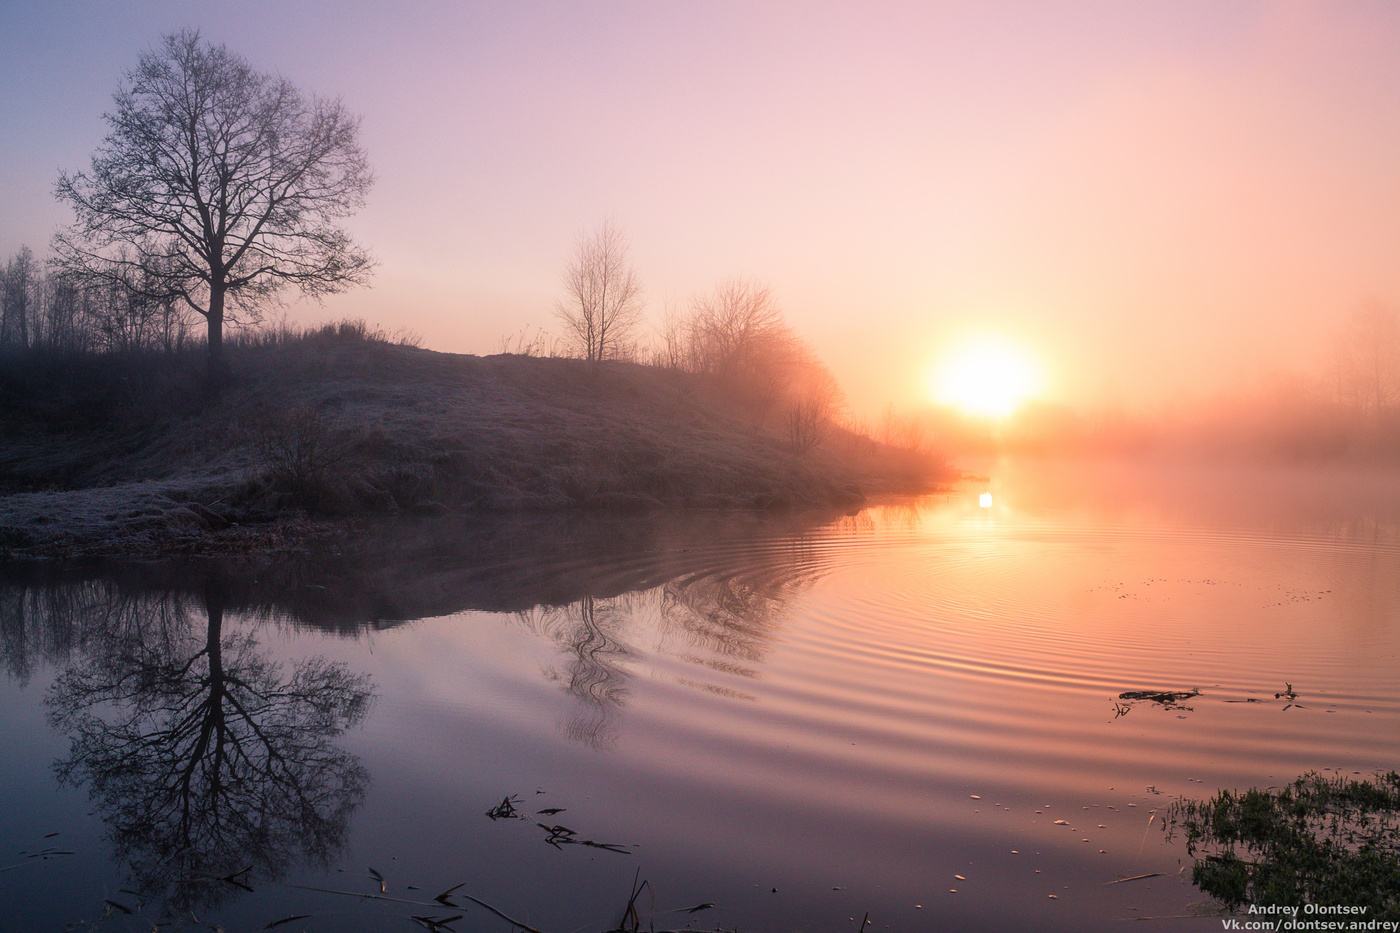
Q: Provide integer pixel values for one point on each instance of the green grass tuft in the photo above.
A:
(1324, 841)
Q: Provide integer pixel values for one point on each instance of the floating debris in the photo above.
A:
(1167, 699)
(1151, 874)
(505, 810)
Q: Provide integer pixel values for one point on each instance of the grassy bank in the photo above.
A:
(337, 429)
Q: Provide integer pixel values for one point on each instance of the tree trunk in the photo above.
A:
(217, 368)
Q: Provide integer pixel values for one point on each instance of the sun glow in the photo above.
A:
(987, 376)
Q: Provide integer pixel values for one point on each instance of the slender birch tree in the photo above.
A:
(602, 303)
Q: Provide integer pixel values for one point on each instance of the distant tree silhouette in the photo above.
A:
(737, 333)
(1366, 364)
(602, 303)
(217, 186)
(19, 280)
(203, 757)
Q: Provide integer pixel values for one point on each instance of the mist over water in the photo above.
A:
(1126, 270)
(854, 711)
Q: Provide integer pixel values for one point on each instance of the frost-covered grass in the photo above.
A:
(105, 456)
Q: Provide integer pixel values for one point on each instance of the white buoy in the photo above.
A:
(985, 500)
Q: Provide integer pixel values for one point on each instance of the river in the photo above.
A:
(912, 714)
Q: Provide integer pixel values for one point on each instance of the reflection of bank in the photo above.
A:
(206, 760)
(711, 585)
(721, 615)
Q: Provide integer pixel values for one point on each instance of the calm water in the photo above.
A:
(911, 712)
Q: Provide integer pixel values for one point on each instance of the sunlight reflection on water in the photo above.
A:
(857, 712)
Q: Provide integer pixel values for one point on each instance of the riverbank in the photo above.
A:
(330, 434)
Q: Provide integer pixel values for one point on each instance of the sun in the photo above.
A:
(986, 376)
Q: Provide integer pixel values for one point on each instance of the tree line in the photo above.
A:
(1363, 370)
(735, 335)
(44, 308)
(219, 187)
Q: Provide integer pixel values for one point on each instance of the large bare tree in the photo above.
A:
(217, 186)
(602, 301)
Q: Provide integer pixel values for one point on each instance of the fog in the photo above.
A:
(1344, 406)
(1177, 208)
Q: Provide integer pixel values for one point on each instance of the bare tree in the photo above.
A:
(906, 432)
(217, 186)
(738, 332)
(1375, 337)
(672, 350)
(1366, 361)
(63, 328)
(18, 283)
(814, 400)
(602, 301)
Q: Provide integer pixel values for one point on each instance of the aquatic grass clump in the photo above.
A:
(1319, 840)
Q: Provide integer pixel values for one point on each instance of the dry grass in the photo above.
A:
(342, 424)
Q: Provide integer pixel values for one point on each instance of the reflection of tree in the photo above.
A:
(727, 615)
(719, 618)
(590, 631)
(731, 618)
(22, 641)
(204, 758)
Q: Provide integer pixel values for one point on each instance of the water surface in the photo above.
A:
(913, 712)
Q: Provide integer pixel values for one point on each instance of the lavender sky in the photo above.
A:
(1154, 198)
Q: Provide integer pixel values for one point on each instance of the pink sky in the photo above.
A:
(1153, 197)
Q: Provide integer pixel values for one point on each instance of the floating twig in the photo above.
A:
(1151, 874)
(232, 878)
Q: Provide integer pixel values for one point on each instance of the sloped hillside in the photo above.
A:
(111, 456)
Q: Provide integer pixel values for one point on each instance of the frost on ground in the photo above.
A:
(309, 436)
(131, 519)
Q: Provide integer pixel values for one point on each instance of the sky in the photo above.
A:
(1153, 199)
